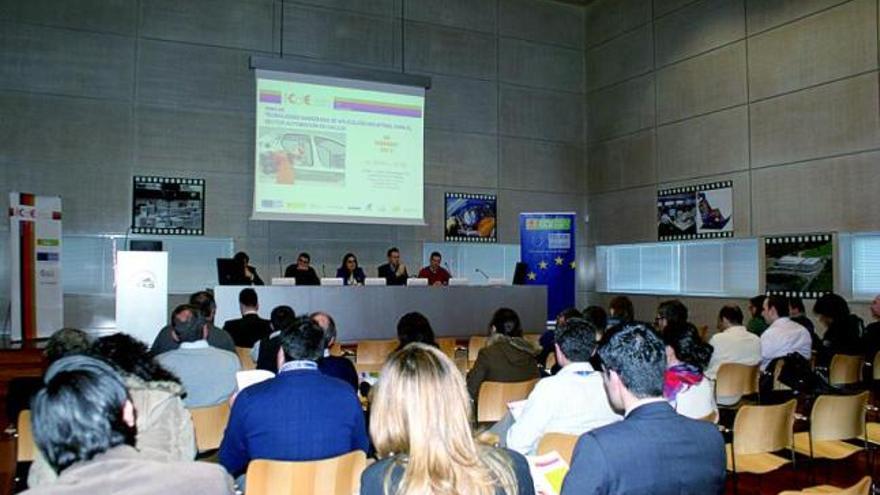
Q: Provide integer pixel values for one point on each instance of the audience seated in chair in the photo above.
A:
(207, 373)
(265, 352)
(250, 328)
(653, 450)
(217, 337)
(734, 343)
(573, 401)
(671, 312)
(687, 390)
(164, 428)
(300, 415)
(843, 329)
(414, 327)
(783, 336)
(420, 427)
(507, 357)
(547, 338)
(84, 424)
(335, 366)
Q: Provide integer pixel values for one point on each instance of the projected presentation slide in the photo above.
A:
(331, 149)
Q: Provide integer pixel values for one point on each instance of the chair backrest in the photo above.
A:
(335, 476)
(559, 442)
(494, 396)
(863, 487)
(759, 429)
(845, 369)
(374, 351)
(336, 349)
(838, 417)
(875, 368)
(447, 345)
(244, 355)
(26, 447)
(209, 424)
(712, 417)
(534, 338)
(777, 369)
(475, 343)
(735, 380)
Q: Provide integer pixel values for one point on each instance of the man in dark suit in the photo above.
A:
(653, 450)
(302, 272)
(394, 272)
(267, 354)
(250, 328)
(330, 365)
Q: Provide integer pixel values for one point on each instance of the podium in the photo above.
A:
(141, 293)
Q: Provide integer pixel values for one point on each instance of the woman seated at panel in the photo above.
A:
(350, 272)
(507, 357)
(685, 387)
(421, 430)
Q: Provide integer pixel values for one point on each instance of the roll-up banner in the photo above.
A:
(37, 296)
(547, 243)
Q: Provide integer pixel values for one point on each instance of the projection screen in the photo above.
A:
(333, 149)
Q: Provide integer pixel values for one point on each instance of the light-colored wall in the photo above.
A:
(781, 97)
(95, 91)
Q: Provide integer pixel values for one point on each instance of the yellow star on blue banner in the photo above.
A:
(559, 260)
(573, 265)
(532, 275)
(542, 265)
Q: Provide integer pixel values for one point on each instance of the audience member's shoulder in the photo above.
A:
(373, 478)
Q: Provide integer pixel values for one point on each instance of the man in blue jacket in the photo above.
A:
(300, 415)
(653, 450)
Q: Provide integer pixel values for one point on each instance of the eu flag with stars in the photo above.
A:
(547, 247)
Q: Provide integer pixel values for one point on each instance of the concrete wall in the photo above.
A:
(95, 91)
(781, 97)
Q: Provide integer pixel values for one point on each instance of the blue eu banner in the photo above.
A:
(547, 248)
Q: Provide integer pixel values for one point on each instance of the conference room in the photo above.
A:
(584, 211)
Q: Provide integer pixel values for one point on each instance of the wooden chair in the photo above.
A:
(371, 354)
(712, 417)
(875, 366)
(845, 370)
(736, 380)
(494, 396)
(244, 355)
(25, 434)
(336, 350)
(560, 442)
(834, 418)
(777, 369)
(475, 343)
(335, 476)
(758, 431)
(447, 345)
(534, 338)
(863, 487)
(209, 424)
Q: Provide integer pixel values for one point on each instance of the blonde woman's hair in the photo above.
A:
(420, 413)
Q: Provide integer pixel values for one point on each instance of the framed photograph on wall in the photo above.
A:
(703, 211)
(800, 265)
(471, 217)
(168, 206)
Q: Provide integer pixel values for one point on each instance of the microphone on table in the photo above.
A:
(481, 272)
(280, 270)
(323, 271)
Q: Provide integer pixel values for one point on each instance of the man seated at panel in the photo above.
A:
(302, 272)
(653, 450)
(250, 328)
(207, 373)
(335, 366)
(783, 336)
(573, 401)
(733, 343)
(217, 337)
(394, 272)
(84, 424)
(300, 415)
(267, 349)
(436, 274)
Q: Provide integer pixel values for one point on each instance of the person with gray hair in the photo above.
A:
(207, 373)
(330, 365)
(84, 424)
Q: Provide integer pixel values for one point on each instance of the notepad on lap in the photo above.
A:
(244, 379)
(548, 472)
